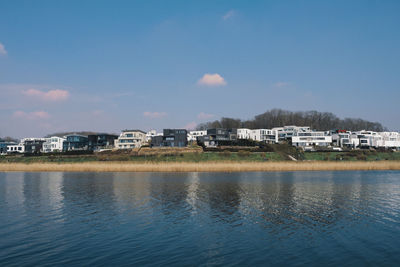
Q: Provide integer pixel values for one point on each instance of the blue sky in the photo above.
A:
(112, 65)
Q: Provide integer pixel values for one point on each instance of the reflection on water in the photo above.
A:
(200, 218)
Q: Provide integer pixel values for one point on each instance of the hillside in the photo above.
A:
(279, 118)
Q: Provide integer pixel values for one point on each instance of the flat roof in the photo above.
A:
(135, 130)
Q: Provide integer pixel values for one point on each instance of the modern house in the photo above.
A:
(175, 137)
(218, 136)
(192, 135)
(101, 141)
(129, 139)
(16, 148)
(243, 133)
(260, 135)
(4, 144)
(285, 133)
(390, 139)
(75, 142)
(151, 134)
(269, 136)
(156, 141)
(53, 144)
(368, 139)
(311, 138)
(33, 145)
(342, 138)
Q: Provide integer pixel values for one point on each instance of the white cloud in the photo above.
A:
(281, 84)
(205, 116)
(51, 95)
(190, 126)
(3, 50)
(228, 15)
(212, 80)
(154, 115)
(31, 115)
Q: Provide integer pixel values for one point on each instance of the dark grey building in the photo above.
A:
(171, 138)
(33, 146)
(101, 141)
(218, 136)
(75, 142)
(175, 137)
(156, 141)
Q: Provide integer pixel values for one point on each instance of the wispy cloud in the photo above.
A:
(209, 79)
(51, 95)
(205, 116)
(229, 14)
(31, 115)
(190, 126)
(3, 50)
(154, 115)
(97, 112)
(281, 84)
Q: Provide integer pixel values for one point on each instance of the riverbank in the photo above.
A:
(282, 153)
(199, 167)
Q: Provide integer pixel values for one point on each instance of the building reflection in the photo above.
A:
(169, 193)
(302, 199)
(11, 189)
(131, 190)
(89, 197)
(268, 198)
(221, 192)
(295, 200)
(192, 190)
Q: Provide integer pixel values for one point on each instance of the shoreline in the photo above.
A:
(199, 167)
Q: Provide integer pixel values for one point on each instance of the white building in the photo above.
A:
(342, 138)
(20, 148)
(285, 133)
(130, 139)
(152, 133)
(368, 139)
(192, 135)
(243, 133)
(53, 144)
(260, 135)
(310, 138)
(268, 136)
(390, 139)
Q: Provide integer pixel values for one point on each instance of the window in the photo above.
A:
(129, 135)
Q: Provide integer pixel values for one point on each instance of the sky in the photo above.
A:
(112, 65)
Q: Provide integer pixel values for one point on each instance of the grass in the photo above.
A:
(198, 157)
(162, 157)
(199, 167)
(357, 155)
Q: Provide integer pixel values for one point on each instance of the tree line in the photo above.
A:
(279, 118)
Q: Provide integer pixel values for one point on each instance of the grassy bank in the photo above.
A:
(154, 158)
(200, 167)
(169, 156)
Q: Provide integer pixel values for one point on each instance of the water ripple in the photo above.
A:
(147, 219)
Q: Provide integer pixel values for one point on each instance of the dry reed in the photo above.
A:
(198, 167)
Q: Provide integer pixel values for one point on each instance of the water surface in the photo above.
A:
(290, 218)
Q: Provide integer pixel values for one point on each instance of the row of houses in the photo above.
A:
(128, 139)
